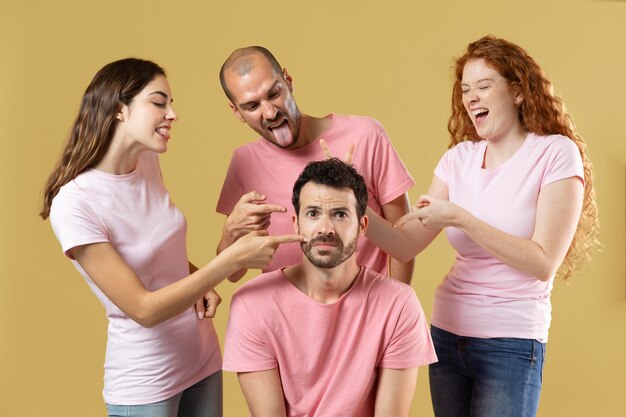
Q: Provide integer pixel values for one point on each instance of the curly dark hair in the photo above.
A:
(336, 174)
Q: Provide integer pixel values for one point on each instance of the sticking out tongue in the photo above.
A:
(282, 134)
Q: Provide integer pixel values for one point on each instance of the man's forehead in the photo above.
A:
(248, 81)
(314, 194)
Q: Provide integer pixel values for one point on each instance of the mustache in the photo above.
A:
(334, 239)
(276, 118)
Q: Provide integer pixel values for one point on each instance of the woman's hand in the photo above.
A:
(256, 249)
(434, 213)
(206, 307)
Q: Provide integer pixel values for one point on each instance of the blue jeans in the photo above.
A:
(475, 377)
(203, 399)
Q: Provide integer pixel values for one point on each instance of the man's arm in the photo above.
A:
(263, 392)
(249, 214)
(395, 391)
(392, 211)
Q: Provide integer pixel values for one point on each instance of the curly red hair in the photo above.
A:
(542, 113)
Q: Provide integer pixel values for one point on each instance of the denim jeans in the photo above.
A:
(475, 377)
(203, 399)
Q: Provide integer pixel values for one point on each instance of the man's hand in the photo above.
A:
(249, 214)
(327, 154)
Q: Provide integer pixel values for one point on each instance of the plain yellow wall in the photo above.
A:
(387, 59)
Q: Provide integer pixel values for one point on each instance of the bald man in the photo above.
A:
(256, 194)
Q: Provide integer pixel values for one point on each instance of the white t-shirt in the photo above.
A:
(481, 296)
(134, 213)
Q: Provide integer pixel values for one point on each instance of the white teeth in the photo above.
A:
(477, 112)
(163, 131)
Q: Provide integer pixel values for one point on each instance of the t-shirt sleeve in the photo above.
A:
(564, 162)
(74, 222)
(442, 170)
(245, 347)
(232, 190)
(410, 344)
(390, 176)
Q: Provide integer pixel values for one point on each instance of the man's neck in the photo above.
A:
(312, 128)
(323, 285)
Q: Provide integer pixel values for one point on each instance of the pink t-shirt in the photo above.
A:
(327, 355)
(264, 167)
(134, 213)
(481, 296)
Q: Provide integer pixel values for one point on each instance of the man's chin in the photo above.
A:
(323, 262)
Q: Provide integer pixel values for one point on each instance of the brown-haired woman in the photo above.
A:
(515, 195)
(112, 214)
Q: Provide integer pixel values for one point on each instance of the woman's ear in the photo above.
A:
(123, 113)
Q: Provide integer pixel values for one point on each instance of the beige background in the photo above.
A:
(390, 60)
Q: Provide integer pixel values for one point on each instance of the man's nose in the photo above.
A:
(326, 227)
(269, 110)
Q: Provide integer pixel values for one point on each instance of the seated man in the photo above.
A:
(327, 337)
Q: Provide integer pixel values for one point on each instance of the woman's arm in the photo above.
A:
(558, 211)
(123, 287)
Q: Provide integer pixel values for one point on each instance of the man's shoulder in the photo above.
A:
(365, 122)
(251, 147)
(381, 283)
(260, 286)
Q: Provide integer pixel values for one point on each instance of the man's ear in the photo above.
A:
(236, 112)
(288, 79)
(294, 220)
(363, 223)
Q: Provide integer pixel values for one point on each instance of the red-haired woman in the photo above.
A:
(515, 195)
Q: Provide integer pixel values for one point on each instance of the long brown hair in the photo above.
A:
(114, 85)
(542, 113)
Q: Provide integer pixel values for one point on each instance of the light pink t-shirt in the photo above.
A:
(481, 296)
(327, 355)
(134, 213)
(266, 168)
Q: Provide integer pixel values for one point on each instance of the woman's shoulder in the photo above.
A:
(553, 144)
(464, 150)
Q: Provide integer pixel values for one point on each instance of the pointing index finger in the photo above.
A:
(269, 208)
(288, 238)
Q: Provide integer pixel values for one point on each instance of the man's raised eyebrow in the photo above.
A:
(248, 103)
(161, 93)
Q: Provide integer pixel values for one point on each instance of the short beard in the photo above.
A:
(329, 262)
